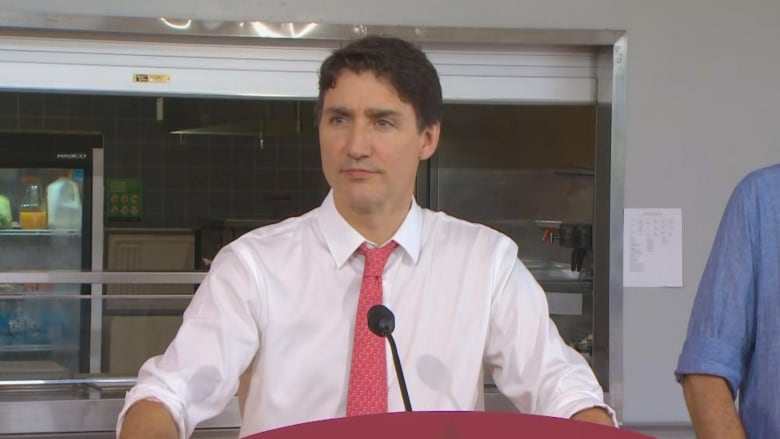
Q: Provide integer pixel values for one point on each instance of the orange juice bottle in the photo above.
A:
(32, 210)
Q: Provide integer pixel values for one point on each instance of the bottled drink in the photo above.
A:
(32, 209)
(63, 199)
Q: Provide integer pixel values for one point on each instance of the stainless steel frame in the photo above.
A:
(608, 231)
(251, 29)
(84, 415)
(99, 414)
(101, 277)
(96, 307)
(616, 200)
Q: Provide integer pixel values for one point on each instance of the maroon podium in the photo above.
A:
(449, 425)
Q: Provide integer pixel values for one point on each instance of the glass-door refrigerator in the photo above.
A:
(47, 181)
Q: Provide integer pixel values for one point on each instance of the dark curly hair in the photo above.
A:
(404, 65)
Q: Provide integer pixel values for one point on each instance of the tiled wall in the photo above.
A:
(185, 177)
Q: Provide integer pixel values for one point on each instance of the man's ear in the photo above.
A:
(430, 138)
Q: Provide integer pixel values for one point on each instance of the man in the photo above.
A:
(733, 343)
(278, 306)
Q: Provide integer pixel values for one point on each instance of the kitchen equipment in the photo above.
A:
(45, 321)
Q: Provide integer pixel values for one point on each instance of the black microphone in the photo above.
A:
(381, 322)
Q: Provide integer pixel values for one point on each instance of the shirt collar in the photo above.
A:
(342, 240)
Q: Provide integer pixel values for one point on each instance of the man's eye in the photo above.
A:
(336, 120)
(384, 123)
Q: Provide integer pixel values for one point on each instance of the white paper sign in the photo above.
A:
(652, 248)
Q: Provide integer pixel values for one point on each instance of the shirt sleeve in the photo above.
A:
(530, 362)
(721, 329)
(198, 373)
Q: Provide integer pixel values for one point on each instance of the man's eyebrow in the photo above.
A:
(376, 113)
(341, 111)
(373, 113)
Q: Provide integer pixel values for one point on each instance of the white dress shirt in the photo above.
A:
(281, 300)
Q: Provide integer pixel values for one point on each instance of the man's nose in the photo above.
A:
(359, 141)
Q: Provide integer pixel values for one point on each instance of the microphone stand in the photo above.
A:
(381, 322)
(399, 373)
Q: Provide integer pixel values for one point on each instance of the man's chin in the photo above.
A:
(364, 205)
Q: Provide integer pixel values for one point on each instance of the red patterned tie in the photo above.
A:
(367, 392)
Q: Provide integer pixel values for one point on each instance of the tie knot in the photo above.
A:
(376, 258)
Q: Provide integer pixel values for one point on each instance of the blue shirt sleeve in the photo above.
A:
(721, 330)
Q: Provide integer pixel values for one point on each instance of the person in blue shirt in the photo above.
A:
(733, 342)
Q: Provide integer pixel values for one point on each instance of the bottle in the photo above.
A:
(32, 209)
(63, 198)
(5, 322)
(6, 220)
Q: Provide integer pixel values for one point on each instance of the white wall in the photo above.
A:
(703, 81)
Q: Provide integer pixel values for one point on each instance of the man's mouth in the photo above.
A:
(358, 172)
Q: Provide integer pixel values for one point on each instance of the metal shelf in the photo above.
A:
(40, 232)
(22, 348)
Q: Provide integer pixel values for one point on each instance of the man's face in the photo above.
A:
(371, 145)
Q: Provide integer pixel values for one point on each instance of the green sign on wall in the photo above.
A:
(125, 198)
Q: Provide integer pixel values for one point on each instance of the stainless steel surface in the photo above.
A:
(160, 26)
(82, 415)
(96, 307)
(518, 157)
(37, 348)
(96, 381)
(616, 197)
(40, 232)
(86, 277)
(601, 226)
(95, 415)
(105, 298)
(285, 69)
